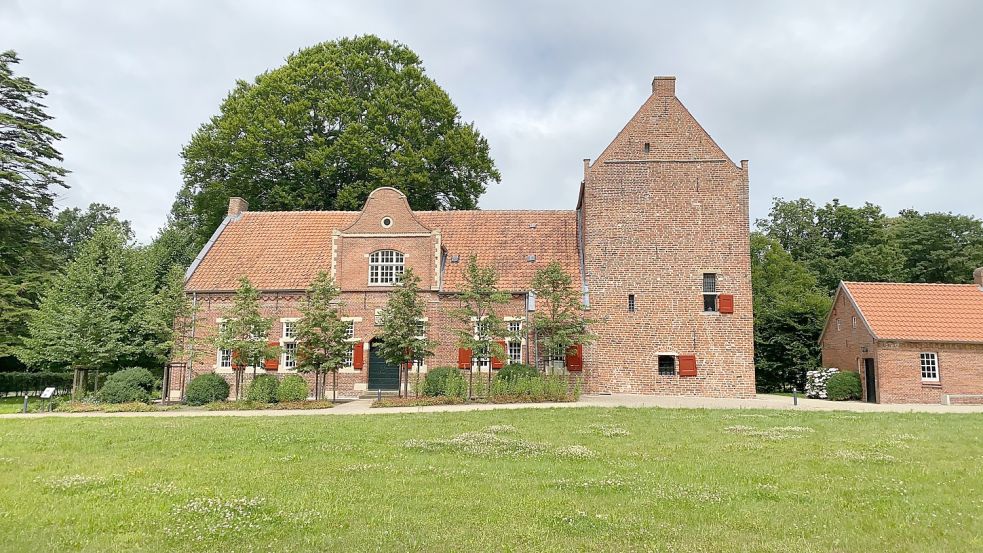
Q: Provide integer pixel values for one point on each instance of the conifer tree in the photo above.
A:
(321, 334)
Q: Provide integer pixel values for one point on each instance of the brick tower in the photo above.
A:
(664, 233)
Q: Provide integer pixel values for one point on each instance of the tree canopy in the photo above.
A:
(559, 321)
(321, 334)
(340, 119)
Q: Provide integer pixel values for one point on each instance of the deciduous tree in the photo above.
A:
(404, 334)
(321, 334)
(481, 326)
(560, 320)
(245, 332)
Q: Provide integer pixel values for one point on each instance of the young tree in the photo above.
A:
(559, 321)
(245, 333)
(338, 120)
(30, 168)
(321, 334)
(402, 339)
(92, 316)
(481, 325)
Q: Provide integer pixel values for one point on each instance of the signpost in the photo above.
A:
(47, 394)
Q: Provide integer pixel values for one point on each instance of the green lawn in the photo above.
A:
(557, 480)
(15, 404)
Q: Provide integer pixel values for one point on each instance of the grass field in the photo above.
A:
(544, 479)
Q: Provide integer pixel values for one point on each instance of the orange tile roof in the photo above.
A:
(920, 312)
(284, 250)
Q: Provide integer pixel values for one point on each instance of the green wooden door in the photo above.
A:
(382, 376)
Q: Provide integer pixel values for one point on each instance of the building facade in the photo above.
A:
(658, 242)
(910, 343)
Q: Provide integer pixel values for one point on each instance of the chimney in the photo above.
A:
(664, 86)
(586, 167)
(978, 277)
(237, 206)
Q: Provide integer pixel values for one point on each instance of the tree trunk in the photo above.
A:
(334, 386)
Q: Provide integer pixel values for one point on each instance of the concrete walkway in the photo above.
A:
(364, 407)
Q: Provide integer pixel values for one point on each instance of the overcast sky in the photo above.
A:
(862, 101)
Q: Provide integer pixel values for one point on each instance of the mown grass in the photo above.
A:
(537, 479)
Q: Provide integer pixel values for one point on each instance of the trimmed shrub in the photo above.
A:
(516, 371)
(28, 382)
(206, 388)
(533, 388)
(127, 386)
(263, 389)
(444, 381)
(816, 382)
(843, 386)
(292, 388)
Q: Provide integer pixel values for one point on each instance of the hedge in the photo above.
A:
(34, 382)
(843, 386)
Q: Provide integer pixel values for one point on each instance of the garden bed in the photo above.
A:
(246, 405)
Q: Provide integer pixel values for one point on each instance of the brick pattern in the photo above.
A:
(655, 219)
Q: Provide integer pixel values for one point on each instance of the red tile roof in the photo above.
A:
(920, 312)
(285, 250)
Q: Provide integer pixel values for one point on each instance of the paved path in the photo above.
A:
(363, 407)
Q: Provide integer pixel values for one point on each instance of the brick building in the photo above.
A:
(911, 343)
(659, 242)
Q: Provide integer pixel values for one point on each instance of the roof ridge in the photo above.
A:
(910, 283)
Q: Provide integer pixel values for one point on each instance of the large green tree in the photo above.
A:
(94, 315)
(340, 119)
(940, 247)
(74, 226)
(321, 334)
(30, 170)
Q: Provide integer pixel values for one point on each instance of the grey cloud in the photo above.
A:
(873, 101)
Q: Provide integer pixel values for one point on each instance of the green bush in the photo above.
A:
(533, 388)
(127, 386)
(206, 388)
(516, 371)
(263, 389)
(292, 388)
(444, 381)
(843, 386)
(28, 382)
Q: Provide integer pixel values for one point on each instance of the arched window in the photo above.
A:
(385, 267)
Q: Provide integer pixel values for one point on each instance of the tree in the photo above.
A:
(340, 119)
(789, 311)
(321, 334)
(404, 335)
(30, 168)
(481, 325)
(245, 332)
(559, 321)
(91, 317)
(940, 247)
(73, 227)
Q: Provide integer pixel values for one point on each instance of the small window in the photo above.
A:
(854, 322)
(387, 222)
(289, 329)
(350, 358)
(225, 358)
(378, 317)
(631, 303)
(480, 329)
(930, 367)
(515, 327)
(350, 330)
(667, 365)
(648, 147)
(421, 330)
(290, 355)
(385, 267)
(839, 325)
(710, 292)
(515, 351)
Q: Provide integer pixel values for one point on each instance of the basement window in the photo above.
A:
(667, 365)
(631, 303)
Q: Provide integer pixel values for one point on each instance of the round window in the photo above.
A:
(387, 222)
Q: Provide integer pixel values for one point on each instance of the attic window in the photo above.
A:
(531, 258)
(455, 259)
(387, 222)
(648, 147)
(533, 225)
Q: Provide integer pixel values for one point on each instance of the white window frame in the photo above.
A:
(289, 362)
(509, 321)
(386, 267)
(715, 293)
(929, 363)
(853, 322)
(349, 364)
(220, 354)
(288, 324)
(285, 361)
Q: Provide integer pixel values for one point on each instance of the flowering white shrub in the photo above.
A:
(816, 382)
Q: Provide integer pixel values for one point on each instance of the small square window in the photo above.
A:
(667, 365)
(515, 327)
(289, 329)
(350, 330)
(930, 367)
(631, 303)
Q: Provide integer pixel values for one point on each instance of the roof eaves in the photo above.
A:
(208, 246)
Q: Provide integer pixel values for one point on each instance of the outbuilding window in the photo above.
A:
(930, 367)
(385, 267)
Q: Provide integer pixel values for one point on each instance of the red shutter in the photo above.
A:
(726, 303)
(687, 365)
(358, 355)
(274, 363)
(499, 363)
(463, 358)
(575, 358)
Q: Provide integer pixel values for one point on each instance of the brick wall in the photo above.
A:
(662, 206)
(899, 372)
